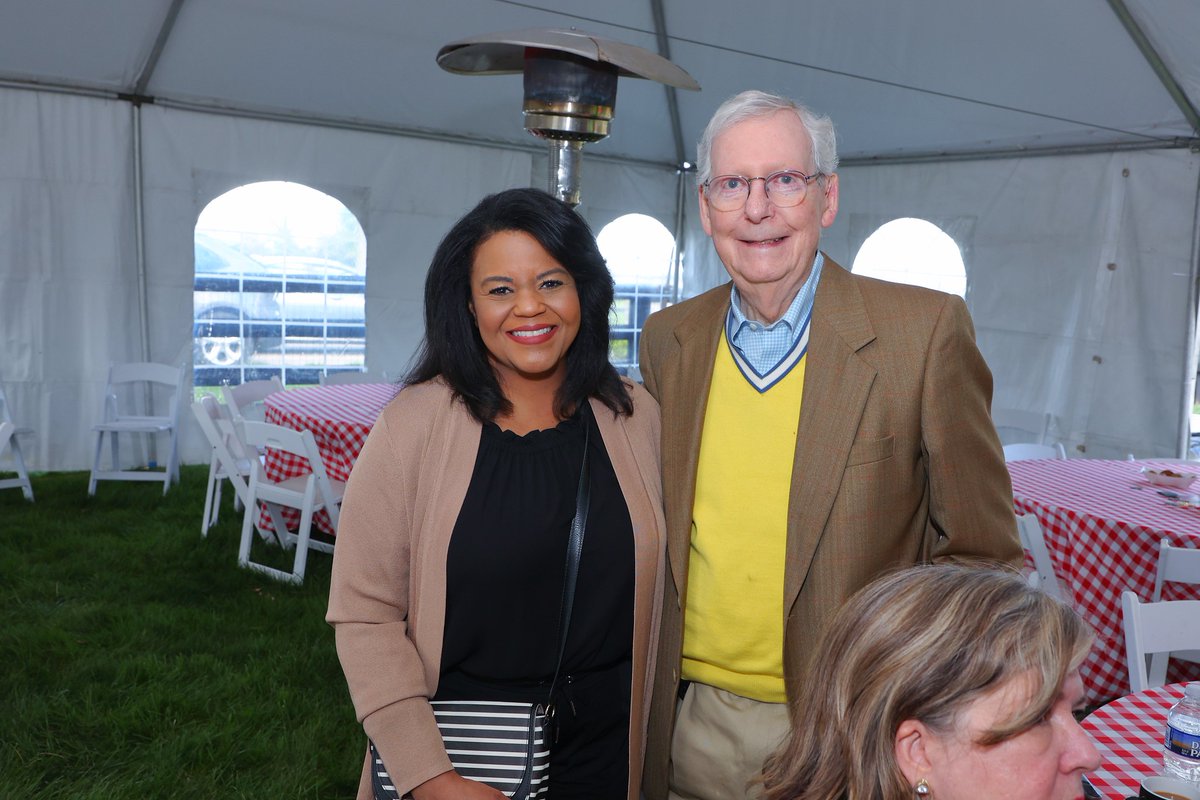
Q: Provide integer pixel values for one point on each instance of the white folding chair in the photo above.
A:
(245, 401)
(9, 443)
(1017, 425)
(1179, 564)
(351, 376)
(227, 459)
(1025, 451)
(1154, 632)
(308, 493)
(1034, 541)
(126, 384)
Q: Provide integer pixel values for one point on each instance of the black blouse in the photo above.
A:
(504, 570)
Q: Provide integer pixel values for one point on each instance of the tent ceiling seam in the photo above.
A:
(842, 73)
(1020, 152)
(1161, 70)
(664, 50)
(533, 148)
(160, 43)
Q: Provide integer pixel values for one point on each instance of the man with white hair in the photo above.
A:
(819, 428)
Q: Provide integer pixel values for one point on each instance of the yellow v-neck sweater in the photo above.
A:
(733, 618)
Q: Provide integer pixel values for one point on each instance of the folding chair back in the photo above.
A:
(10, 443)
(308, 493)
(1152, 632)
(126, 385)
(1180, 564)
(225, 459)
(245, 401)
(1034, 541)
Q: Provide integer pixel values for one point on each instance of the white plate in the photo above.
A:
(1179, 481)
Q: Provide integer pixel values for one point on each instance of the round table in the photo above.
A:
(1129, 733)
(1103, 522)
(340, 417)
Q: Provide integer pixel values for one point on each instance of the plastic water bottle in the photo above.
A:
(1181, 757)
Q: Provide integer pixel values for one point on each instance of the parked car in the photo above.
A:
(250, 310)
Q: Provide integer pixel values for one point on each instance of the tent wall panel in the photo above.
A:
(1105, 351)
(68, 277)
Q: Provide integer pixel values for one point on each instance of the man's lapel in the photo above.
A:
(837, 383)
(683, 420)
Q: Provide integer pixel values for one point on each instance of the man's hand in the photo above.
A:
(452, 786)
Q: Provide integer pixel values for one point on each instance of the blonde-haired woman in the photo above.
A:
(943, 682)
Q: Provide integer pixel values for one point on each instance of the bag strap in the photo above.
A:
(574, 549)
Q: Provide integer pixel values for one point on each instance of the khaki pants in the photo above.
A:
(720, 743)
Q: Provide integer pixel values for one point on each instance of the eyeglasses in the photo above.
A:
(784, 188)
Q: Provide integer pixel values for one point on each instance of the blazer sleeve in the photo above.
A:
(970, 490)
(369, 611)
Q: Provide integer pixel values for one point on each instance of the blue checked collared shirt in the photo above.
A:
(764, 345)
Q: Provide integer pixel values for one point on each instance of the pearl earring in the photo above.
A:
(922, 788)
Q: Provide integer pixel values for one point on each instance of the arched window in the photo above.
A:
(913, 251)
(639, 250)
(278, 287)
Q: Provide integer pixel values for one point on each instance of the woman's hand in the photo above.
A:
(451, 786)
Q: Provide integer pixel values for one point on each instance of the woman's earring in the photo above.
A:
(922, 788)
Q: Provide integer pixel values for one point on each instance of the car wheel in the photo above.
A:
(219, 351)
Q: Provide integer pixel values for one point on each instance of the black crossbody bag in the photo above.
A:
(507, 745)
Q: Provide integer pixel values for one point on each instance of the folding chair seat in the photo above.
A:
(308, 493)
(1034, 541)
(245, 401)
(227, 460)
(9, 443)
(1154, 632)
(126, 383)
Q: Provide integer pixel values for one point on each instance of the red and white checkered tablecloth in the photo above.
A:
(1129, 733)
(1103, 523)
(340, 417)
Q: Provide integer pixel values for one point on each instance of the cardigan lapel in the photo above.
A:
(697, 336)
(837, 383)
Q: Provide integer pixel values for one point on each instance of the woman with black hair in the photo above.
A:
(448, 571)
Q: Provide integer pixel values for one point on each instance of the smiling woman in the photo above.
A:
(527, 310)
(455, 526)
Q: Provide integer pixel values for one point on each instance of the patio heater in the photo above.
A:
(570, 86)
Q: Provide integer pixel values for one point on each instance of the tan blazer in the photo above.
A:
(387, 597)
(897, 461)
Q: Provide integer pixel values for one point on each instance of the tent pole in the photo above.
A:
(140, 250)
(1190, 365)
(1156, 63)
(681, 177)
(138, 232)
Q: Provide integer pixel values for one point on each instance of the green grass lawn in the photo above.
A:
(138, 661)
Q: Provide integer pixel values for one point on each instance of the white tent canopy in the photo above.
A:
(1054, 141)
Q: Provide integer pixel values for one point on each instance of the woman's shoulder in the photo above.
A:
(645, 407)
(642, 399)
(421, 408)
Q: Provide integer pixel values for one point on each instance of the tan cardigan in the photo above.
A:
(387, 601)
